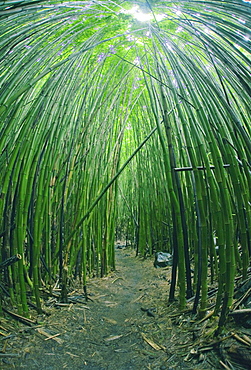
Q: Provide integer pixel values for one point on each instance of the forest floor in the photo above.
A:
(127, 324)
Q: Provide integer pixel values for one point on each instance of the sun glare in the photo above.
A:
(143, 17)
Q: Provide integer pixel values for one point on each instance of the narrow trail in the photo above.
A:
(125, 326)
(108, 334)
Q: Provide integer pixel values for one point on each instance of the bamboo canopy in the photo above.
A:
(125, 119)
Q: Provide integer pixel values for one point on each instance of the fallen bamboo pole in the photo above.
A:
(9, 261)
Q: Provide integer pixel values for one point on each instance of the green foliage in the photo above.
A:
(110, 124)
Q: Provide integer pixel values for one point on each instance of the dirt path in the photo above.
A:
(125, 326)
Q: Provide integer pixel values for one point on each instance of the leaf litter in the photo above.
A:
(127, 324)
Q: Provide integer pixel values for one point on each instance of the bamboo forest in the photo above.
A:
(125, 130)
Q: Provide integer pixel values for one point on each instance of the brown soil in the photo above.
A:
(127, 324)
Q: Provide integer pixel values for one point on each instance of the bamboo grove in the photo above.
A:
(114, 127)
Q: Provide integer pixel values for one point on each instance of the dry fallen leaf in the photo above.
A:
(71, 354)
(113, 337)
(111, 321)
(151, 343)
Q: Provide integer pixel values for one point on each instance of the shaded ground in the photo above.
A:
(127, 325)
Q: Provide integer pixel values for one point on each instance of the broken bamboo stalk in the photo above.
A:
(22, 319)
(244, 311)
(9, 261)
(242, 340)
(49, 336)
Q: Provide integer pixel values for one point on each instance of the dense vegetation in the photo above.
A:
(111, 126)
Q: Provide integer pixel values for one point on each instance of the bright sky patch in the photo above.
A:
(141, 16)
